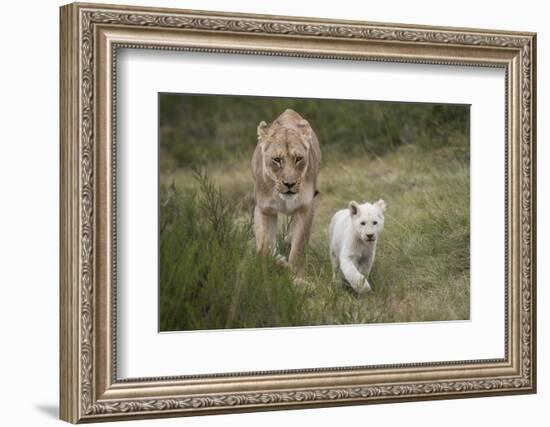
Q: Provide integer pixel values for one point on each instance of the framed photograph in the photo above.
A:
(266, 212)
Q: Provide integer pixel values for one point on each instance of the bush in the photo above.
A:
(210, 276)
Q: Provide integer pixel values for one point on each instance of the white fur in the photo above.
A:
(352, 251)
(291, 202)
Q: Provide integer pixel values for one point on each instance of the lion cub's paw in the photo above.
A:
(361, 286)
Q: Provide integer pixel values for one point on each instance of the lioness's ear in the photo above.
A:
(305, 129)
(353, 208)
(262, 130)
(381, 204)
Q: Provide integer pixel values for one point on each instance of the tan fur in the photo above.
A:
(285, 167)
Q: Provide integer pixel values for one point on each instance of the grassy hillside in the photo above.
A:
(210, 276)
(218, 129)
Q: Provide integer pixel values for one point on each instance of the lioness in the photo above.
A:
(285, 166)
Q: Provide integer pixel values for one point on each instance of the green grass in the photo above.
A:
(205, 130)
(211, 277)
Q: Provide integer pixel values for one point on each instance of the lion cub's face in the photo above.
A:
(367, 219)
(286, 159)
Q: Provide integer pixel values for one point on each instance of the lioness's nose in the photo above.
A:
(289, 185)
(370, 236)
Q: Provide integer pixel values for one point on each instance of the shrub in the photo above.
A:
(210, 275)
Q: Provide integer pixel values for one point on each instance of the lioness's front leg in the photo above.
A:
(265, 229)
(303, 219)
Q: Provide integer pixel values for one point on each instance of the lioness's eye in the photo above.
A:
(299, 159)
(374, 222)
(363, 223)
(277, 160)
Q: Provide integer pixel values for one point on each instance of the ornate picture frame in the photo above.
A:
(90, 37)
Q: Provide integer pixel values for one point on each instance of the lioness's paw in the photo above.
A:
(281, 260)
(300, 281)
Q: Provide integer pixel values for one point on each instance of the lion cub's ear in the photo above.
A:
(305, 129)
(381, 204)
(262, 130)
(353, 208)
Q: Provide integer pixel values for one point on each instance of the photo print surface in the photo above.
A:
(280, 212)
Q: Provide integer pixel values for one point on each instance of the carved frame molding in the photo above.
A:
(90, 37)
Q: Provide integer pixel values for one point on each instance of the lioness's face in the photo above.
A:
(286, 161)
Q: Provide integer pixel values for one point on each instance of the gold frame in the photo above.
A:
(90, 36)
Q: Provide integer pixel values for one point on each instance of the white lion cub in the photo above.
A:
(353, 235)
